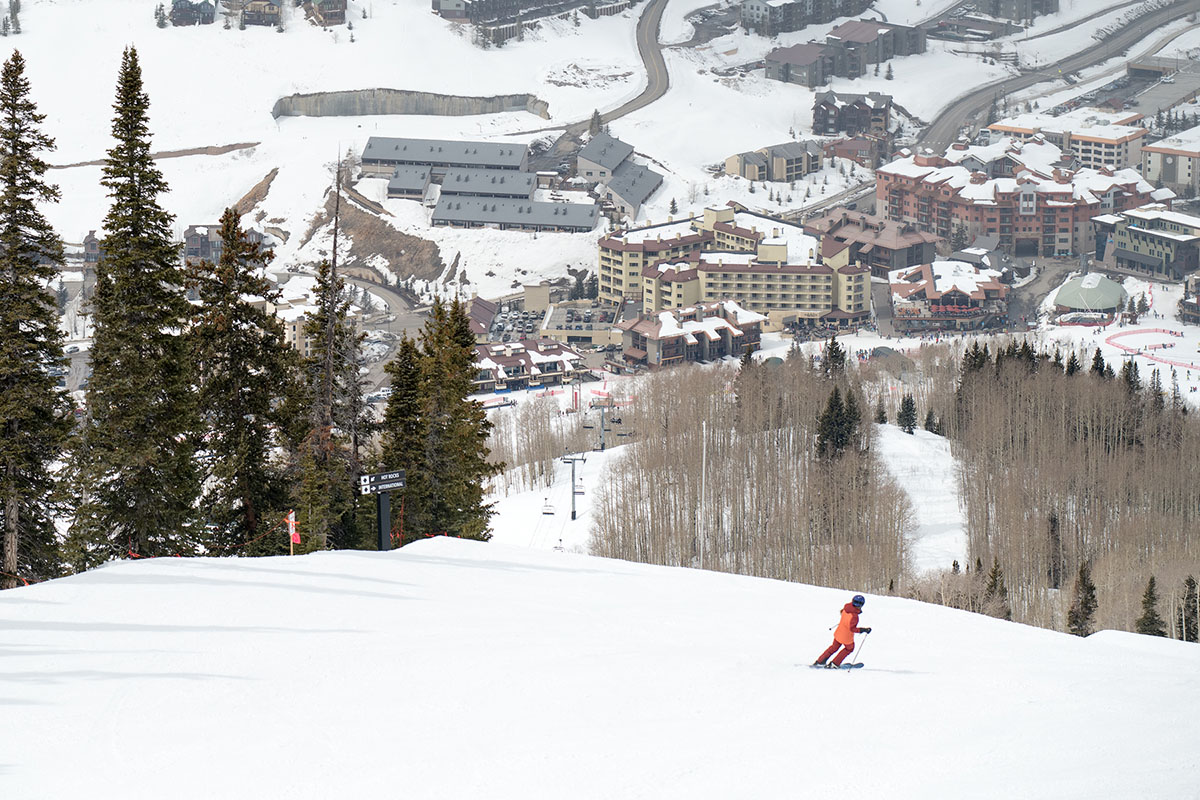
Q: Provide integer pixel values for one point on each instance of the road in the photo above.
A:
(399, 320)
(658, 80)
(969, 108)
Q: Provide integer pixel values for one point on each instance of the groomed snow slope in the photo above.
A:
(464, 670)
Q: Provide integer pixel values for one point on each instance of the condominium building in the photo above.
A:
(1151, 239)
(624, 253)
(784, 162)
(702, 332)
(1017, 9)
(765, 265)
(882, 245)
(1096, 138)
(383, 154)
(1175, 161)
(1020, 192)
(772, 17)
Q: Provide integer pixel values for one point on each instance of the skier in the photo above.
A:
(843, 637)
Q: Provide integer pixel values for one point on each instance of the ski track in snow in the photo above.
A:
(923, 466)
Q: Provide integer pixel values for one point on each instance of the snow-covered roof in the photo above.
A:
(1185, 142)
(1034, 170)
(499, 155)
(1092, 123)
(932, 281)
(607, 151)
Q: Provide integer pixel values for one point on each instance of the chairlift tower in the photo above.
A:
(572, 460)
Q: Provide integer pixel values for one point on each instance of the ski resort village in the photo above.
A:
(633, 399)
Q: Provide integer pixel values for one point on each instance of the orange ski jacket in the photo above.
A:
(848, 626)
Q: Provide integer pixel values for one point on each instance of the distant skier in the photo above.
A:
(843, 637)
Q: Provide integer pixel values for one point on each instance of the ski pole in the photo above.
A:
(864, 644)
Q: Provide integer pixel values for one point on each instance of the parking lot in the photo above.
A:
(513, 324)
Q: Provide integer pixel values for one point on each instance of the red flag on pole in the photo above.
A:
(291, 523)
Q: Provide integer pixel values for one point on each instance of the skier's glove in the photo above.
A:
(864, 630)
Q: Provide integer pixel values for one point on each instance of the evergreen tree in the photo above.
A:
(995, 594)
(930, 421)
(245, 371)
(456, 427)
(1189, 611)
(160, 16)
(1098, 364)
(674, 207)
(1130, 377)
(402, 444)
(595, 125)
(35, 422)
(133, 466)
(958, 237)
(329, 454)
(853, 416)
(880, 412)
(889, 75)
(907, 418)
(1150, 623)
(833, 359)
(1143, 306)
(831, 438)
(1073, 365)
(1083, 607)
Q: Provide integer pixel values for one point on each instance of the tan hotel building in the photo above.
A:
(1096, 138)
(775, 271)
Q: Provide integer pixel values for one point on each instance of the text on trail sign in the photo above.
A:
(381, 482)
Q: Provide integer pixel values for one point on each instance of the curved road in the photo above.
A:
(658, 80)
(946, 126)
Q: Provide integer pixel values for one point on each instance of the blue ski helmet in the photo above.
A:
(858, 601)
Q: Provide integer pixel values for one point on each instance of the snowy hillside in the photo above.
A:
(464, 670)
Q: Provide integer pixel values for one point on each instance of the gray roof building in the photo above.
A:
(408, 182)
(631, 185)
(489, 182)
(507, 213)
(606, 151)
(383, 154)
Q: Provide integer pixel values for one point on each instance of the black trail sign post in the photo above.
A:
(381, 485)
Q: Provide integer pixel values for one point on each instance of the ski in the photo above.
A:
(858, 665)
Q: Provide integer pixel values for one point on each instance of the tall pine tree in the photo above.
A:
(1083, 606)
(35, 422)
(245, 372)
(329, 454)
(134, 467)
(907, 418)
(1150, 623)
(456, 428)
(402, 440)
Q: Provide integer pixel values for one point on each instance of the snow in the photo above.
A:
(922, 464)
(463, 669)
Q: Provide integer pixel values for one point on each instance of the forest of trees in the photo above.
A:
(759, 470)
(1066, 468)
(202, 427)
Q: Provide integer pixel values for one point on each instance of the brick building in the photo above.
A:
(1020, 192)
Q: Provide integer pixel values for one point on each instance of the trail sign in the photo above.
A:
(370, 484)
(379, 485)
